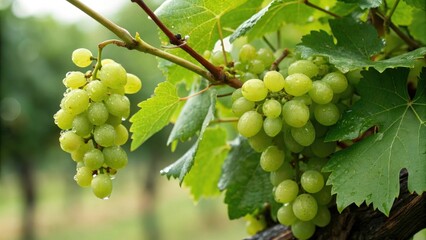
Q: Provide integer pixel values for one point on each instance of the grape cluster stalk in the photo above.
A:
(90, 117)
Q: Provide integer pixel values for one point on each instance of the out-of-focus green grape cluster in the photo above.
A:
(90, 116)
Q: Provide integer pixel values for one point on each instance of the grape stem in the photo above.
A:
(100, 48)
(274, 66)
(197, 93)
(139, 45)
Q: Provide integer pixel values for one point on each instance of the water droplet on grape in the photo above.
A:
(106, 198)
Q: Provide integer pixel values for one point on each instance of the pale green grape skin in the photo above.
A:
(63, 119)
(93, 159)
(291, 144)
(254, 225)
(104, 135)
(304, 135)
(97, 113)
(271, 159)
(274, 81)
(247, 53)
(322, 149)
(102, 186)
(312, 181)
(114, 120)
(285, 172)
(75, 102)
(323, 217)
(236, 94)
(271, 108)
(323, 197)
(250, 123)
(218, 58)
(327, 114)
(113, 75)
(122, 135)
(303, 230)
(115, 157)
(83, 176)
(295, 113)
(321, 92)
(254, 90)
(354, 77)
(420, 235)
(260, 141)
(286, 191)
(118, 105)
(297, 84)
(81, 125)
(70, 141)
(316, 163)
(242, 105)
(256, 66)
(248, 76)
(266, 56)
(133, 84)
(303, 66)
(305, 99)
(305, 207)
(81, 57)
(285, 215)
(78, 155)
(97, 90)
(337, 81)
(74, 80)
(272, 126)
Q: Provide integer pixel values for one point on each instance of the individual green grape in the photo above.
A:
(133, 84)
(291, 144)
(74, 80)
(260, 141)
(75, 102)
(297, 84)
(266, 56)
(305, 67)
(104, 135)
(83, 176)
(248, 76)
(420, 235)
(118, 105)
(250, 123)
(113, 75)
(285, 172)
(115, 157)
(236, 94)
(241, 67)
(93, 159)
(321, 92)
(97, 90)
(312, 181)
(274, 81)
(322, 149)
(271, 108)
(316, 163)
(354, 77)
(78, 155)
(122, 135)
(337, 81)
(102, 186)
(70, 141)
(114, 120)
(97, 113)
(247, 53)
(254, 90)
(218, 58)
(285, 215)
(81, 125)
(304, 135)
(271, 159)
(305, 207)
(303, 230)
(272, 126)
(81, 57)
(242, 105)
(326, 114)
(305, 99)
(323, 197)
(286, 191)
(256, 66)
(63, 119)
(323, 217)
(295, 113)
(254, 225)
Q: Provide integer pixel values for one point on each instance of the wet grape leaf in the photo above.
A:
(247, 185)
(356, 44)
(417, 28)
(154, 114)
(369, 169)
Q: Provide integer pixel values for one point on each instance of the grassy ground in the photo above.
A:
(67, 212)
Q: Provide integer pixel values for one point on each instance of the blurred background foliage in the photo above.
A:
(38, 196)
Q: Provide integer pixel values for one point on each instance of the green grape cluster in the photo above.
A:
(285, 116)
(90, 116)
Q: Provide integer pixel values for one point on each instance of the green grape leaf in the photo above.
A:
(247, 186)
(204, 175)
(369, 169)
(421, 4)
(356, 44)
(154, 114)
(363, 4)
(417, 28)
(271, 18)
(200, 20)
(192, 115)
(183, 165)
(403, 13)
